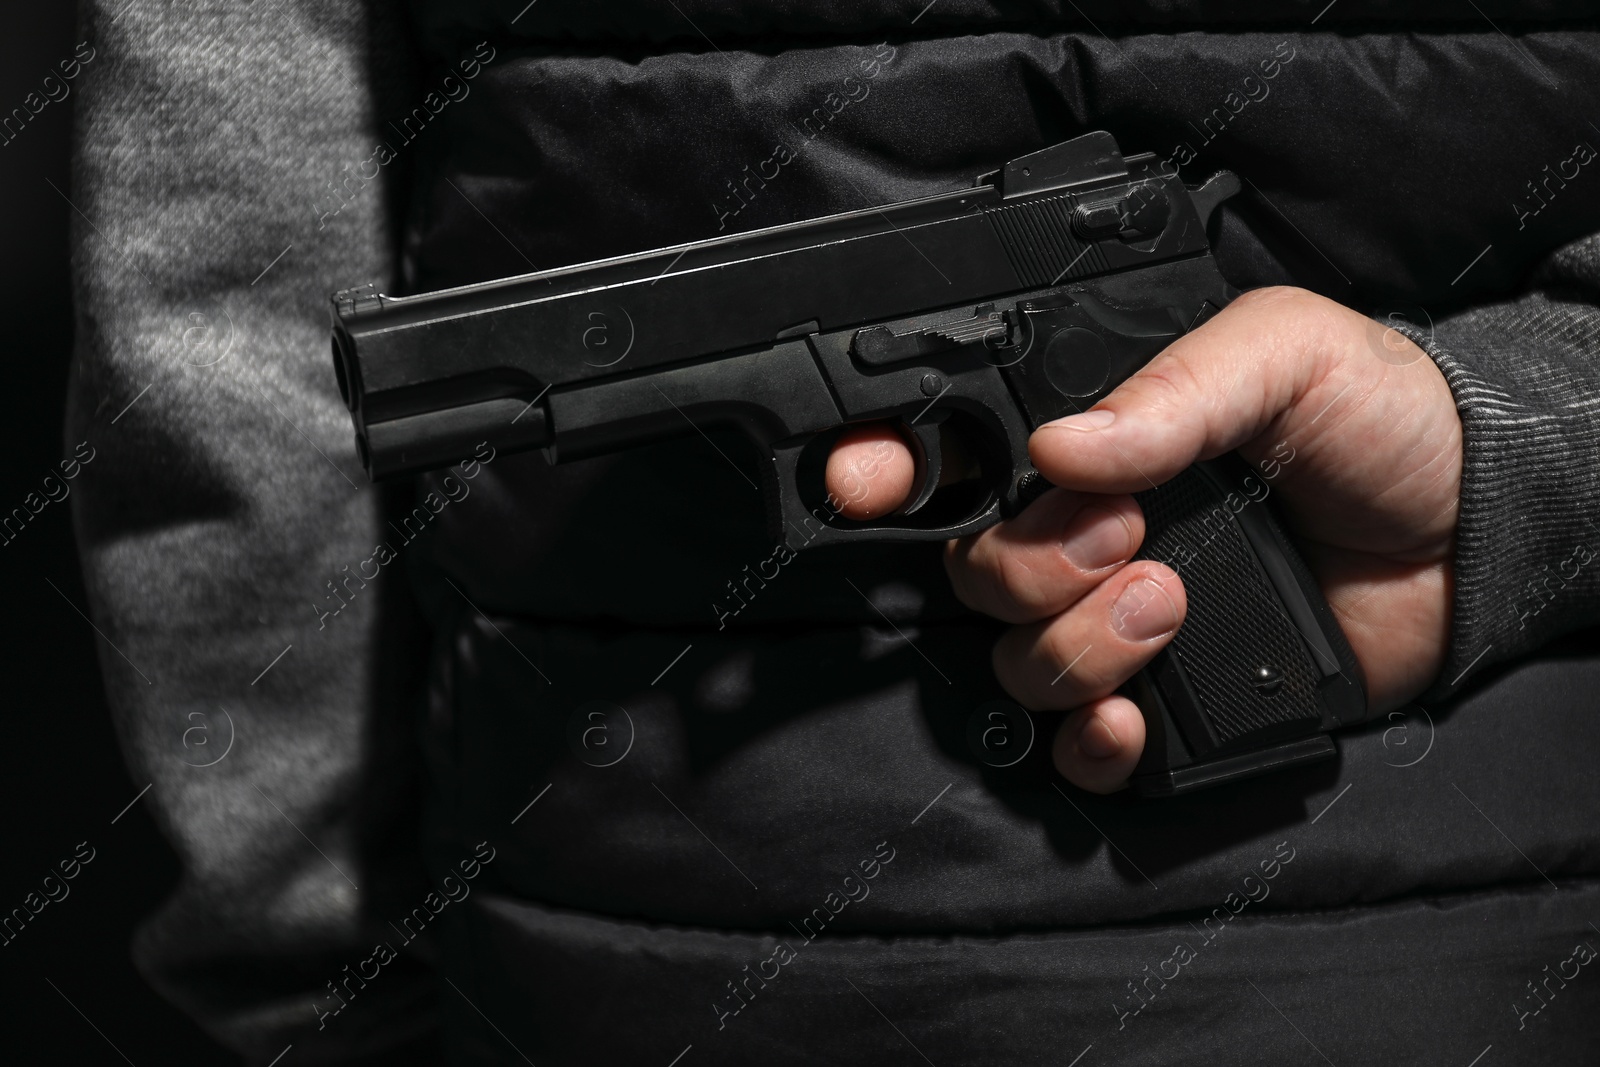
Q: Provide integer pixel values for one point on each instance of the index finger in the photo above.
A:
(870, 471)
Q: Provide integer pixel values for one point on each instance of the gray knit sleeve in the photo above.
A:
(1526, 380)
(219, 197)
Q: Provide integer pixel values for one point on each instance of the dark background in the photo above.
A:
(62, 779)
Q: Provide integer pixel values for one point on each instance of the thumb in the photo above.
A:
(1211, 391)
(870, 471)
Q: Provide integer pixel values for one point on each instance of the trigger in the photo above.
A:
(924, 438)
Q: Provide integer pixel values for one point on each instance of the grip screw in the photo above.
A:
(931, 384)
(1266, 680)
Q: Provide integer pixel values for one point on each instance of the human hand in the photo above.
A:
(1351, 423)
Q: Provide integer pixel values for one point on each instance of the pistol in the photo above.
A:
(968, 318)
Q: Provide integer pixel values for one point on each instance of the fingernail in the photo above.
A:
(1097, 741)
(1144, 611)
(1098, 419)
(1097, 538)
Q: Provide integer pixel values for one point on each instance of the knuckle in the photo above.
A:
(1170, 388)
(1299, 321)
(1074, 672)
(970, 566)
(1284, 303)
(1276, 297)
(1173, 377)
(1006, 659)
(1002, 579)
(1018, 586)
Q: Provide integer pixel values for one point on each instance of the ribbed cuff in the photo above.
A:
(1527, 556)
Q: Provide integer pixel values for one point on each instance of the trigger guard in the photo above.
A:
(924, 440)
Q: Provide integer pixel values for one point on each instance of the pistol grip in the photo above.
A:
(1259, 670)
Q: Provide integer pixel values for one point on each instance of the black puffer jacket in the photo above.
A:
(798, 860)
